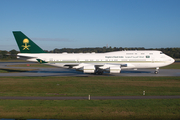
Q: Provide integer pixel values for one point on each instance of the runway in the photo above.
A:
(91, 98)
(70, 72)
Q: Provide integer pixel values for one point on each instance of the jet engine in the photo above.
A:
(86, 68)
(114, 69)
(89, 69)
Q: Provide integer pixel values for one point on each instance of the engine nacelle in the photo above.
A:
(86, 68)
(89, 69)
(114, 69)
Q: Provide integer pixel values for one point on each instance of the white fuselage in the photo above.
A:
(128, 59)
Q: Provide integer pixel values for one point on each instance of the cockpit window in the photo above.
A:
(161, 53)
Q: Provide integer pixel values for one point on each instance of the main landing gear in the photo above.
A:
(99, 72)
(157, 71)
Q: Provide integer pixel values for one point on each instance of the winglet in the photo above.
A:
(25, 44)
(41, 61)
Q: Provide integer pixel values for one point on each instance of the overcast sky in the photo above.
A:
(91, 23)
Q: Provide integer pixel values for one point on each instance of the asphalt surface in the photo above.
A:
(70, 72)
(91, 98)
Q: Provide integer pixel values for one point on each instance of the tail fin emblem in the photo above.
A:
(25, 41)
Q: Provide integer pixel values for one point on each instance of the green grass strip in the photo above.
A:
(166, 109)
(83, 86)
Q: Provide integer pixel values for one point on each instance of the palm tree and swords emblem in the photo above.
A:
(25, 41)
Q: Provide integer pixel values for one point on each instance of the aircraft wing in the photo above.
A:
(89, 67)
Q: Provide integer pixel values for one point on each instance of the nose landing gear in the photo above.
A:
(157, 71)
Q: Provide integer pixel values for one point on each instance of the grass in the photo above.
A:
(175, 65)
(83, 86)
(150, 109)
(166, 109)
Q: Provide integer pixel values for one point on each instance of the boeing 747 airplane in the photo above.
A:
(112, 62)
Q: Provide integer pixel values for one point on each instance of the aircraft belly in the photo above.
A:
(149, 65)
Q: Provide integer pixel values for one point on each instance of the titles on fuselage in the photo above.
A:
(125, 57)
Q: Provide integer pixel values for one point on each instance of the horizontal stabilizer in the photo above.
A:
(41, 61)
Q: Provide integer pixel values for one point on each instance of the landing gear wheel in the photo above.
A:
(156, 72)
(99, 72)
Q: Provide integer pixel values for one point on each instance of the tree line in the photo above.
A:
(173, 52)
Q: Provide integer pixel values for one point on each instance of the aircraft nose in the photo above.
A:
(172, 60)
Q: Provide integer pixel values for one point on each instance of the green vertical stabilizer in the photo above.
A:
(25, 44)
